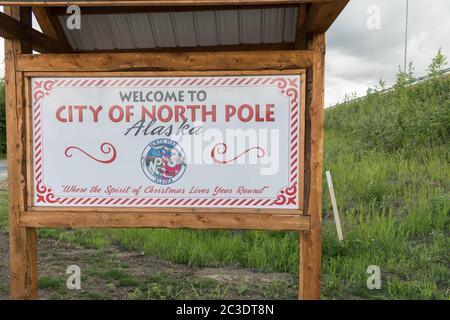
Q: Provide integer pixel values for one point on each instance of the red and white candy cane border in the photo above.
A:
(289, 86)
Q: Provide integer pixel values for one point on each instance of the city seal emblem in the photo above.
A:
(163, 161)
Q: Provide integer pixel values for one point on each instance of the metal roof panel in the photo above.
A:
(183, 29)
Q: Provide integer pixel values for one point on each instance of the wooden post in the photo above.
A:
(22, 241)
(311, 241)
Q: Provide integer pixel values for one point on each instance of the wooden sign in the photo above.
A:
(222, 141)
(222, 137)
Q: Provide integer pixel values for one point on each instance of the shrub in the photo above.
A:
(412, 115)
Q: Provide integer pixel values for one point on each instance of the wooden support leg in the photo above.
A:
(311, 241)
(310, 264)
(23, 262)
(22, 241)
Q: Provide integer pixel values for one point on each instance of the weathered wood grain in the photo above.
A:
(322, 15)
(50, 25)
(22, 241)
(11, 28)
(311, 241)
(205, 220)
(171, 61)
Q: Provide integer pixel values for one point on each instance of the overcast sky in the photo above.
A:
(358, 55)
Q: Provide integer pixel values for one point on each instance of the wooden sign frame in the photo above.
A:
(195, 217)
(24, 219)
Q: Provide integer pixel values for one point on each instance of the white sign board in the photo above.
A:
(207, 142)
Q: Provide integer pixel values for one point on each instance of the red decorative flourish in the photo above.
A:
(287, 196)
(261, 153)
(43, 88)
(44, 193)
(105, 148)
(38, 95)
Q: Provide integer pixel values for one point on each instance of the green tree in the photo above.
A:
(404, 78)
(410, 78)
(437, 65)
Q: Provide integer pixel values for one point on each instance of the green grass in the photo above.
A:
(93, 295)
(196, 248)
(162, 287)
(389, 159)
(50, 283)
(120, 277)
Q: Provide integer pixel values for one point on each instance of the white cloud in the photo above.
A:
(358, 57)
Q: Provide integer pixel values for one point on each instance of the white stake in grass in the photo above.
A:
(337, 220)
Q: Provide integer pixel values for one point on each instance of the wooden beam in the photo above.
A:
(50, 25)
(300, 32)
(322, 15)
(180, 61)
(231, 47)
(22, 241)
(212, 220)
(61, 11)
(311, 241)
(11, 28)
(173, 3)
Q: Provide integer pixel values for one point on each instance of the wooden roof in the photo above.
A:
(157, 2)
(171, 24)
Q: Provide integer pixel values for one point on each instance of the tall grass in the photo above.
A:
(389, 156)
(402, 120)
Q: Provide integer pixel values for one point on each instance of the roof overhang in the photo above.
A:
(156, 2)
(174, 24)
